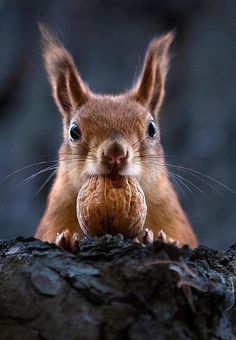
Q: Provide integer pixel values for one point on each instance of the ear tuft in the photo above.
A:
(149, 89)
(69, 91)
(47, 39)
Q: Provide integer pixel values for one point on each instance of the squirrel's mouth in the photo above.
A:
(114, 172)
(114, 175)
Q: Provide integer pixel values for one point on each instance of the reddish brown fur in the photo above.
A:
(111, 119)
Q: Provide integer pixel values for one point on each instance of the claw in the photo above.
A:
(148, 236)
(65, 241)
(164, 238)
(75, 243)
(176, 243)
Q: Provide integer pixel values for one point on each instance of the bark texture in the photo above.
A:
(115, 289)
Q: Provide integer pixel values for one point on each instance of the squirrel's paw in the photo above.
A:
(67, 241)
(148, 236)
(166, 239)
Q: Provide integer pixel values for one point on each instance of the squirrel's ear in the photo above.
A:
(68, 89)
(150, 87)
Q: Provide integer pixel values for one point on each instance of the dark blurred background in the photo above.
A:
(107, 40)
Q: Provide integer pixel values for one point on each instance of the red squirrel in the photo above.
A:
(104, 134)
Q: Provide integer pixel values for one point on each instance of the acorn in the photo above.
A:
(107, 205)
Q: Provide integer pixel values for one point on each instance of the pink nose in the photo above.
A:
(115, 154)
(115, 160)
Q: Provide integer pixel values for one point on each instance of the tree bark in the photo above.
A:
(115, 289)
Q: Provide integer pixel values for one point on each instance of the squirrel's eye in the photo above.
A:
(152, 130)
(74, 132)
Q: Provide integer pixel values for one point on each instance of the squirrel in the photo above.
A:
(111, 134)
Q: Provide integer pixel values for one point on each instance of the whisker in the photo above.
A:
(195, 186)
(27, 167)
(134, 144)
(76, 158)
(179, 177)
(173, 176)
(32, 177)
(45, 182)
(176, 183)
(185, 185)
(194, 173)
(202, 180)
(204, 175)
(142, 141)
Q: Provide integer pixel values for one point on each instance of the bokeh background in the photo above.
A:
(107, 40)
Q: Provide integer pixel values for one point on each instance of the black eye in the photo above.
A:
(152, 130)
(74, 132)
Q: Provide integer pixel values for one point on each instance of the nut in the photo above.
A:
(111, 206)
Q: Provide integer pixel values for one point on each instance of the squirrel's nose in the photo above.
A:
(115, 154)
(114, 160)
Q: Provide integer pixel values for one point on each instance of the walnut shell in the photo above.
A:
(111, 206)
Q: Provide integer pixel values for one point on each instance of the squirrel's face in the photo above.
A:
(116, 135)
(110, 135)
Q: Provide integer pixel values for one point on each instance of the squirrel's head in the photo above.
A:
(103, 134)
